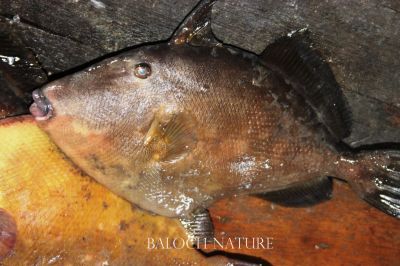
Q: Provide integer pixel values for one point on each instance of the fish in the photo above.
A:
(175, 126)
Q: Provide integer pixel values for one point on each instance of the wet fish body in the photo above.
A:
(176, 126)
(229, 142)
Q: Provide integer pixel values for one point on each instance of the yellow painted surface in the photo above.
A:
(66, 218)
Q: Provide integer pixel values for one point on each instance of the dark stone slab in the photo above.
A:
(360, 40)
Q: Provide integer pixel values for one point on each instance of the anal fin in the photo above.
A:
(303, 194)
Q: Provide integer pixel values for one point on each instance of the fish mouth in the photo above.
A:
(41, 108)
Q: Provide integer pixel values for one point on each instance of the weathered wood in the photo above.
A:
(359, 39)
(342, 231)
(64, 218)
(66, 34)
(19, 72)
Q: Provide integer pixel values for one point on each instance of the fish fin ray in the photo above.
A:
(303, 68)
(302, 194)
(196, 28)
(379, 181)
(152, 171)
(170, 137)
(198, 225)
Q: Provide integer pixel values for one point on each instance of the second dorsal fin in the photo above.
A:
(303, 68)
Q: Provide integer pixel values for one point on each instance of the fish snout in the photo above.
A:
(41, 108)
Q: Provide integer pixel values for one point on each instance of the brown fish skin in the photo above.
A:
(241, 134)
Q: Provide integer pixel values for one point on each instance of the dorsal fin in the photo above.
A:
(196, 28)
(303, 68)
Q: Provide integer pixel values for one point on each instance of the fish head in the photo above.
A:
(100, 117)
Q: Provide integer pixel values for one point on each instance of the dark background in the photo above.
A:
(359, 39)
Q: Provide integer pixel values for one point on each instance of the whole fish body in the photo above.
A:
(175, 126)
(230, 134)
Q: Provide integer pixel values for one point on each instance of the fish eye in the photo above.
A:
(142, 70)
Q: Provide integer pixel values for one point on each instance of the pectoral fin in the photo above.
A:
(304, 194)
(170, 137)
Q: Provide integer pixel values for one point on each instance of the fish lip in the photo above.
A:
(41, 108)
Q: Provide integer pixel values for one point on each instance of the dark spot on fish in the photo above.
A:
(118, 170)
(123, 225)
(94, 160)
(8, 233)
(105, 205)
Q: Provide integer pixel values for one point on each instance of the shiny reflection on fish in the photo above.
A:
(175, 126)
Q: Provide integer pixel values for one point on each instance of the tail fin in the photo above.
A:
(378, 181)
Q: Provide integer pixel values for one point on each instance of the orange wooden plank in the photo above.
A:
(343, 231)
(65, 218)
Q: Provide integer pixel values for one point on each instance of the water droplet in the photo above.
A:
(16, 19)
(97, 4)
